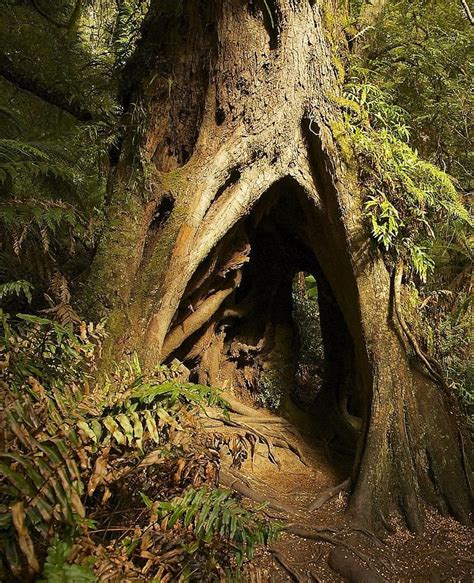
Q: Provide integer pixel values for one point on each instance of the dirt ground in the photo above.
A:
(445, 552)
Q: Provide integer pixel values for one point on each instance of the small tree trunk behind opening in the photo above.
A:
(240, 112)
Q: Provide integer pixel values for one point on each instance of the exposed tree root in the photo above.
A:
(315, 577)
(241, 485)
(252, 431)
(285, 564)
(266, 440)
(247, 417)
(343, 563)
(385, 523)
(321, 535)
(346, 558)
(265, 420)
(375, 539)
(328, 494)
(283, 443)
(238, 407)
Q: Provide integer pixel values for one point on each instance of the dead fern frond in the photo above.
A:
(59, 288)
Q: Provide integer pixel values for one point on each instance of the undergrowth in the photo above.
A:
(310, 369)
(113, 479)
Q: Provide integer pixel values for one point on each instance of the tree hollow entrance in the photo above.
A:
(247, 321)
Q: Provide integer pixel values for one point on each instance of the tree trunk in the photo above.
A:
(233, 153)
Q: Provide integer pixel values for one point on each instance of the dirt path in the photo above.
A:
(291, 470)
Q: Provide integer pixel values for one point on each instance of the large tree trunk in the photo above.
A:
(238, 142)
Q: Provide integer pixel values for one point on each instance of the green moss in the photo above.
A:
(342, 139)
(339, 69)
(335, 22)
(174, 181)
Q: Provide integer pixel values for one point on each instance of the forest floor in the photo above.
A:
(293, 471)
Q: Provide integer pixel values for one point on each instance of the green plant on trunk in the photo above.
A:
(405, 196)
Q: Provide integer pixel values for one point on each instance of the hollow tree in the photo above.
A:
(231, 141)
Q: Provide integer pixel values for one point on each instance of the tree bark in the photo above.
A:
(237, 116)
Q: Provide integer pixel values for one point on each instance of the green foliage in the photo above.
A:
(17, 288)
(128, 19)
(65, 446)
(419, 53)
(57, 569)
(270, 389)
(216, 515)
(405, 197)
(311, 287)
(306, 318)
(50, 199)
(35, 33)
(413, 64)
(16, 156)
(39, 468)
(149, 408)
(450, 338)
(53, 354)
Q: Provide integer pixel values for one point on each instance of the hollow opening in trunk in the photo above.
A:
(267, 325)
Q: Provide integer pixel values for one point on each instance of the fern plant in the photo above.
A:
(405, 196)
(148, 409)
(58, 569)
(51, 189)
(416, 214)
(16, 288)
(216, 514)
(53, 354)
(59, 437)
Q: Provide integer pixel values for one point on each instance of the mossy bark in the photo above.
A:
(240, 102)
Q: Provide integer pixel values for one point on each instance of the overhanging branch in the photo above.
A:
(43, 92)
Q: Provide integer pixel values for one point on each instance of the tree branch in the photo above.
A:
(46, 16)
(467, 10)
(47, 94)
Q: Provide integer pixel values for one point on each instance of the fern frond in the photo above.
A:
(217, 513)
(17, 288)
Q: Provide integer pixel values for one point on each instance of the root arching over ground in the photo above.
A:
(265, 457)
